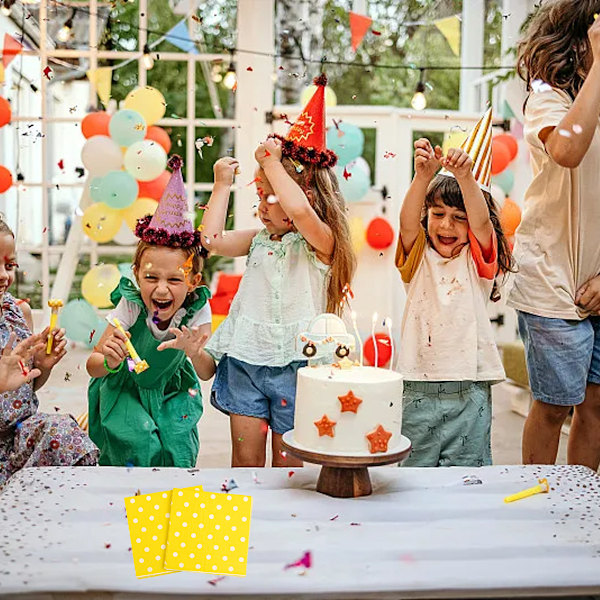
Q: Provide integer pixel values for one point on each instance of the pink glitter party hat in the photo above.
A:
(170, 226)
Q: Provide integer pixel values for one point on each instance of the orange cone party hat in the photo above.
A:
(306, 140)
(478, 146)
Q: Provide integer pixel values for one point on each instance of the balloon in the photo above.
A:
(140, 208)
(98, 283)
(506, 180)
(380, 234)
(100, 222)
(118, 189)
(307, 94)
(125, 237)
(145, 160)
(510, 216)
(81, 322)
(347, 141)
(384, 349)
(357, 233)
(356, 186)
(155, 187)
(5, 112)
(95, 189)
(453, 139)
(158, 134)
(361, 164)
(500, 156)
(127, 127)
(510, 142)
(95, 123)
(498, 195)
(100, 155)
(6, 179)
(148, 101)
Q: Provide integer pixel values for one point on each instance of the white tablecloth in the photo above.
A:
(422, 533)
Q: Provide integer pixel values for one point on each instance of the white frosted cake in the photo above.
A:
(346, 411)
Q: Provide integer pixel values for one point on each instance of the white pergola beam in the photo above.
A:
(471, 52)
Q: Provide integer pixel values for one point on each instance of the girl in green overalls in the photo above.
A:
(150, 418)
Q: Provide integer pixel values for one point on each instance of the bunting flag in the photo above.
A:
(1, 73)
(359, 25)
(11, 48)
(180, 36)
(450, 29)
(101, 79)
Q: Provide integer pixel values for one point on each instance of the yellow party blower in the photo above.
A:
(54, 305)
(542, 488)
(140, 365)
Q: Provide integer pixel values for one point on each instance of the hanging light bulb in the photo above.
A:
(147, 59)
(419, 101)
(64, 33)
(230, 79)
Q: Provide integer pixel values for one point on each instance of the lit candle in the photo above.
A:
(360, 346)
(388, 323)
(373, 323)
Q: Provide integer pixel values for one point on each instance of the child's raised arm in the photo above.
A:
(293, 200)
(214, 238)
(427, 162)
(12, 371)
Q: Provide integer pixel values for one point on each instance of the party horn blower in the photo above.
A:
(140, 365)
(541, 488)
(54, 305)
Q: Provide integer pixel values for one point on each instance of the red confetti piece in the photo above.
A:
(215, 581)
(334, 517)
(283, 402)
(305, 561)
(92, 333)
(290, 473)
(107, 546)
(375, 32)
(249, 69)
(47, 71)
(61, 164)
(346, 174)
(255, 180)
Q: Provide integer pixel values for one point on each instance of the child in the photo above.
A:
(150, 418)
(29, 438)
(450, 249)
(296, 269)
(557, 290)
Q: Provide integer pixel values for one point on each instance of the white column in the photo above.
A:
(254, 98)
(471, 52)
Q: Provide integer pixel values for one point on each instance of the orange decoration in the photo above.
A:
(379, 234)
(95, 123)
(5, 112)
(160, 136)
(6, 179)
(500, 156)
(510, 216)
(511, 144)
(12, 47)
(359, 25)
(154, 189)
(350, 402)
(378, 440)
(325, 426)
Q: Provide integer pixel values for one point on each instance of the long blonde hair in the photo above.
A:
(329, 204)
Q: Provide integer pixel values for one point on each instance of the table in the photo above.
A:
(422, 533)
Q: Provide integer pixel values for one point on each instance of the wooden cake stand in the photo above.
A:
(346, 476)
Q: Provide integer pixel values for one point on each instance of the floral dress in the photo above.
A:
(29, 438)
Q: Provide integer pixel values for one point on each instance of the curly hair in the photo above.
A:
(555, 48)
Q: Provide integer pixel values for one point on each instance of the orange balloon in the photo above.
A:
(379, 234)
(95, 123)
(5, 111)
(510, 216)
(500, 156)
(160, 136)
(6, 179)
(510, 142)
(154, 188)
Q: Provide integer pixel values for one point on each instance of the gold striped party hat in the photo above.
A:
(478, 146)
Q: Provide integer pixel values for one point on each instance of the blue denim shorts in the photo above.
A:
(562, 357)
(268, 393)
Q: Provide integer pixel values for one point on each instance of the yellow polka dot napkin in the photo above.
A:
(208, 532)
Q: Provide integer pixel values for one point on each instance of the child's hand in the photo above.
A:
(12, 373)
(427, 159)
(268, 151)
(114, 348)
(225, 169)
(191, 341)
(458, 162)
(44, 361)
(588, 295)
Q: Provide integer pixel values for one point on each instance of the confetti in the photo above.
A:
(290, 473)
(564, 133)
(61, 164)
(67, 376)
(193, 392)
(305, 561)
(47, 72)
(346, 174)
(215, 581)
(228, 485)
(577, 129)
(334, 517)
(155, 318)
(249, 69)
(471, 480)
(92, 333)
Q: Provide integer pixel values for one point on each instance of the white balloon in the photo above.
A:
(498, 195)
(145, 160)
(361, 164)
(100, 155)
(125, 237)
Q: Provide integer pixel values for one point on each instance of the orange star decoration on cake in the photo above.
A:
(349, 402)
(325, 426)
(378, 440)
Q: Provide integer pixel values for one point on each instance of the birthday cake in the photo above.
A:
(343, 408)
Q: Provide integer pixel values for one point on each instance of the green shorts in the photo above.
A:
(449, 423)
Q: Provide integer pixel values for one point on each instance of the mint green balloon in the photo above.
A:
(356, 186)
(81, 322)
(347, 141)
(117, 189)
(127, 127)
(505, 180)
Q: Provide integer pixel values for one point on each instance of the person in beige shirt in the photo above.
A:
(557, 288)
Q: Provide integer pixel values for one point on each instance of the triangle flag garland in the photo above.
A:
(450, 29)
(101, 79)
(359, 25)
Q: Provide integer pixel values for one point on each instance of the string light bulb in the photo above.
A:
(147, 59)
(64, 33)
(419, 101)
(230, 79)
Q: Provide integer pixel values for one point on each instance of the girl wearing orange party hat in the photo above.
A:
(297, 267)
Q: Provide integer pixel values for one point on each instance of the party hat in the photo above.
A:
(306, 141)
(170, 226)
(478, 146)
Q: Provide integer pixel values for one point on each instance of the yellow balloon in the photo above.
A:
(101, 222)
(98, 283)
(149, 102)
(453, 139)
(140, 208)
(357, 233)
(307, 93)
